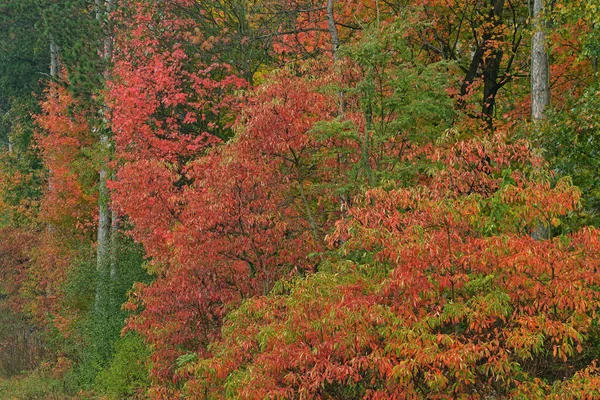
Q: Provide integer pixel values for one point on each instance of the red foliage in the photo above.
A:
(15, 259)
(166, 109)
(237, 226)
(423, 302)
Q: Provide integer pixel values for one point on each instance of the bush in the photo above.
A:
(128, 371)
(32, 387)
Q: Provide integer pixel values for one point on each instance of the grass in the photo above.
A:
(34, 386)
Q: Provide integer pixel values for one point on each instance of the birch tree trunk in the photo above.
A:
(54, 71)
(54, 60)
(106, 260)
(540, 87)
(540, 91)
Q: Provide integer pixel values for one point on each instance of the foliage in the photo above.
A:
(571, 144)
(21, 172)
(22, 58)
(325, 199)
(128, 371)
(423, 301)
(35, 386)
(238, 228)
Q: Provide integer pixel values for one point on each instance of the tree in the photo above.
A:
(240, 225)
(540, 79)
(438, 291)
(484, 38)
(107, 227)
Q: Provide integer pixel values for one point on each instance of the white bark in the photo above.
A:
(540, 87)
(54, 60)
(105, 256)
(540, 90)
(54, 72)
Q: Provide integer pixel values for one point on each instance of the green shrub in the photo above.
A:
(35, 386)
(128, 371)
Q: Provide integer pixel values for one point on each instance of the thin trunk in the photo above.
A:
(114, 265)
(335, 44)
(366, 143)
(103, 248)
(309, 214)
(54, 71)
(54, 60)
(335, 39)
(105, 259)
(540, 90)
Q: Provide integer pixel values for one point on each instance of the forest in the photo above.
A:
(299, 199)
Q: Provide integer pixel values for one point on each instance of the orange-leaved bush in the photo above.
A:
(438, 291)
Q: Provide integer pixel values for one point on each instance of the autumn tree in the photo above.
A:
(486, 39)
(437, 291)
(540, 79)
(256, 208)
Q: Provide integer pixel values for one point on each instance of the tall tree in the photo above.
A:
(540, 79)
(106, 243)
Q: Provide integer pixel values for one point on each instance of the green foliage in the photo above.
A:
(23, 57)
(401, 96)
(393, 103)
(73, 26)
(21, 174)
(128, 371)
(95, 345)
(35, 386)
(571, 144)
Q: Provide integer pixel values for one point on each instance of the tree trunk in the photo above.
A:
(335, 39)
(114, 261)
(491, 63)
(54, 60)
(487, 58)
(105, 257)
(54, 71)
(540, 87)
(540, 91)
(335, 44)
